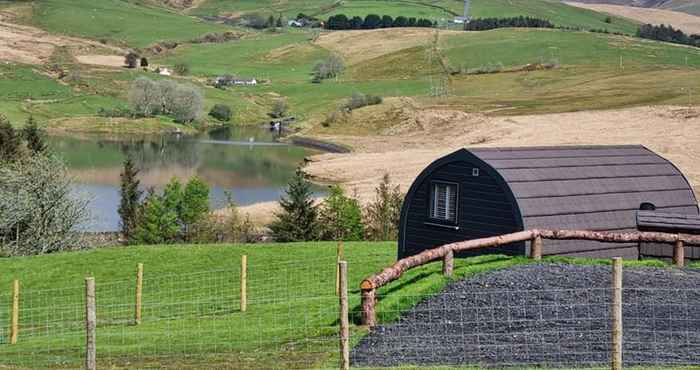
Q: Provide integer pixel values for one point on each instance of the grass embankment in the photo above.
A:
(191, 300)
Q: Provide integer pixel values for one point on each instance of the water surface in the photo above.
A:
(247, 162)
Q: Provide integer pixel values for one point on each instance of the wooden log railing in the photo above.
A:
(446, 252)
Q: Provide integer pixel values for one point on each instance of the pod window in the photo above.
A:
(444, 202)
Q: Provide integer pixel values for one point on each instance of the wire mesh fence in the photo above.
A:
(292, 321)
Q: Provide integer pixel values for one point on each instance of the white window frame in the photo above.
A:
(433, 202)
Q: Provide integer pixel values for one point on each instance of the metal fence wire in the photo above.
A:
(292, 321)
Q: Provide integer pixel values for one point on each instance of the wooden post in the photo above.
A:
(344, 321)
(536, 248)
(14, 325)
(139, 293)
(617, 314)
(369, 316)
(244, 283)
(679, 254)
(339, 257)
(448, 263)
(90, 324)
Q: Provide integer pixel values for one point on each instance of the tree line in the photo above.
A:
(484, 24)
(667, 34)
(338, 217)
(373, 21)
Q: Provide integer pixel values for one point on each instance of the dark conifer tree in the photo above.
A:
(34, 136)
(130, 198)
(9, 141)
(298, 220)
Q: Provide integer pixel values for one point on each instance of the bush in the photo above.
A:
(256, 21)
(331, 67)
(9, 141)
(131, 60)
(221, 112)
(359, 100)
(115, 112)
(39, 208)
(382, 216)
(144, 62)
(340, 217)
(173, 216)
(279, 109)
(182, 69)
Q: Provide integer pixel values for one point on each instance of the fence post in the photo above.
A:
(244, 283)
(448, 262)
(369, 316)
(344, 321)
(617, 314)
(14, 325)
(139, 292)
(339, 257)
(536, 248)
(679, 254)
(90, 324)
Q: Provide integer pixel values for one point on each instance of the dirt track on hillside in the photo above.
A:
(670, 131)
(686, 22)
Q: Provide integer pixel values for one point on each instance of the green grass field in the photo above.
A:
(117, 21)
(191, 299)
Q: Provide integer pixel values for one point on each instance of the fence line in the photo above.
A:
(446, 253)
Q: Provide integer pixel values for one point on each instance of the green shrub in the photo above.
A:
(183, 69)
(221, 112)
(382, 216)
(359, 100)
(340, 217)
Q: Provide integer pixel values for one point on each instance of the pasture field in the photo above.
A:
(120, 22)
(191, 299)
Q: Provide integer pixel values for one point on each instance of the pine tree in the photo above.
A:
(34, 137)
(157, 224)
(130, 197)
(382, 217)
(9, 141)
(298, 220)
(195, 205)
(340, 217)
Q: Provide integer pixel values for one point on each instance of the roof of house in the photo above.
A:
(588, 187)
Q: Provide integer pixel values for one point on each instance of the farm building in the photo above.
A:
(476, 193)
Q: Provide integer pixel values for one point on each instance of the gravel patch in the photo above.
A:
(550, 315)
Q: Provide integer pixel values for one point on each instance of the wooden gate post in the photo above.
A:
(617, 314)
(244, 283)
(679, 254)
(536, 248)
(448, 263)
(14, 325)
(90, 325)
(344, 321)
(139, 293)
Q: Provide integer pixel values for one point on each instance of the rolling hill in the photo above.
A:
(686, 6)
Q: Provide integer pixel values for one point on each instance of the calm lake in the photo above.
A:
(247, 162)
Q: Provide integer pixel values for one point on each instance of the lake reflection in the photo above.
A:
(244, 161)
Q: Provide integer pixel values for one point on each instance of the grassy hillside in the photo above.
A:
(117, 21)
(560, 14)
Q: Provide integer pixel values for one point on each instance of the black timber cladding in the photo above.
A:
(567, 187)
(668, 223)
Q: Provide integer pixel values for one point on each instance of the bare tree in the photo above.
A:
(188, 104)
(40, 211)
